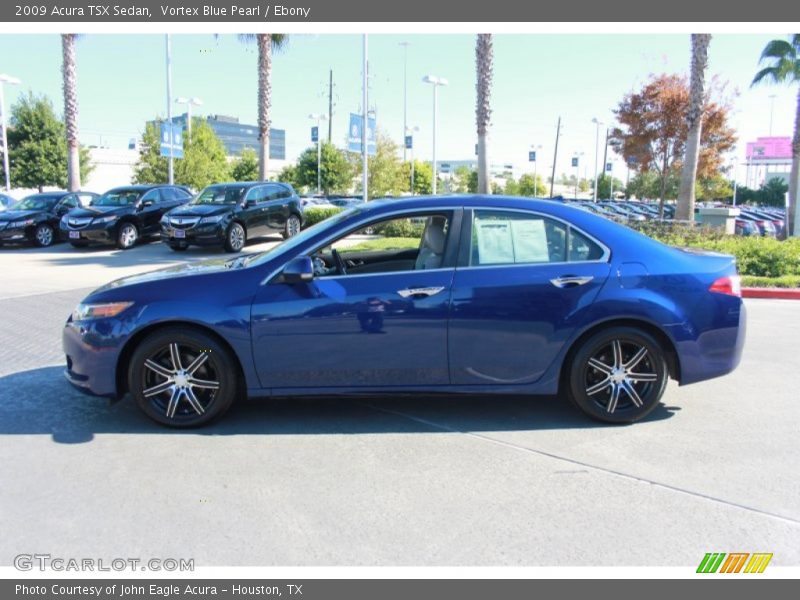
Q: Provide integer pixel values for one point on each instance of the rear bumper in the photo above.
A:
(714, 352)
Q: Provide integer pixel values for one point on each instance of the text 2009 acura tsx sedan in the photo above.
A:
(441, 294)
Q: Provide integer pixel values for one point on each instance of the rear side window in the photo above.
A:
(507, 238)
(258, 194)
(70, 201)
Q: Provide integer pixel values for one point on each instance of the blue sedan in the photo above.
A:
(486, 295)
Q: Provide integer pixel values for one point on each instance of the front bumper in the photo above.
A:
(16, 234)
(103, 233)
(212, 234)
(92, 350)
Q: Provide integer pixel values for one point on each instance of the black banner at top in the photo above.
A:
(442, 11)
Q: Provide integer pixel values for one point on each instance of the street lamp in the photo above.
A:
(12, 81)
(536, 149)
(577, 160)
(410, 131)
(318, 117)
(435, 82)
(405, 46)
(597, 122)
(189, 102)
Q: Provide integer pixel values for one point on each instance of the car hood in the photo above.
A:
(203, 267)
(94, 211)
(16, 215)
(201, 210)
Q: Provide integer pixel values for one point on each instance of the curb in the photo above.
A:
(774, 293)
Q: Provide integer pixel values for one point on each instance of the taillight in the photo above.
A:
(730, 285)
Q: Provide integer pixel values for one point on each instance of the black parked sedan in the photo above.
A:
(122, 215)
(227, 214)
(35, 218)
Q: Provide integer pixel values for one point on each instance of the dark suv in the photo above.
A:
(227, 214)
(35, 218)
(122, 215)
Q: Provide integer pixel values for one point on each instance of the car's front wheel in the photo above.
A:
(292, 227)
(182, 377)
(618, 375)
(44, 235)
(127, 236)
(235, 238)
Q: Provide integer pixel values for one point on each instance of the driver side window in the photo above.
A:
(392, 245)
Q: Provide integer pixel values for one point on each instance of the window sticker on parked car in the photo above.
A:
(505, 241)
(530, 241)
(495, 245)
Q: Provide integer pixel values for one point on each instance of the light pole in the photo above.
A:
(577, 160)
(189, 102)
(171, 167)
(4, 79)
(435, 82)
(771, 111)
(536, 149)
(405, 46)
(364, 116)
(319, 117)
(597, 122)
(410, 131)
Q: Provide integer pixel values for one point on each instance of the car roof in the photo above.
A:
(248, 184)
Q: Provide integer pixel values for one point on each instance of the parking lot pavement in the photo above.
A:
(417, 480)
(26, 270)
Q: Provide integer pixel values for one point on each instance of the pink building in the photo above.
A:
(768, 158)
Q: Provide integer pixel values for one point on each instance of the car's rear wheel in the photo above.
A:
(127, 236)
(618, 375)
(181, 377)
(235, 238)
(44, 235)
(292, 227)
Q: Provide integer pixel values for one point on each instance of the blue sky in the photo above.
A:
(122, 83)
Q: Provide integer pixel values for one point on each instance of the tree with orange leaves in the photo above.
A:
(653, 129)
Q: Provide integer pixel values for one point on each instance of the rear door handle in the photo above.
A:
(571, 280)
(420, 292)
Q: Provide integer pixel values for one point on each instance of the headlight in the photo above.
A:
(64, 219)
(108, 219)
(215, 219)
(84, 312)
(24, 223)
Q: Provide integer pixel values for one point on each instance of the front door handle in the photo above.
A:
(571, 280)
(420, 292)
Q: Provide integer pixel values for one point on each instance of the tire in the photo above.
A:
(127, 236)
(165, 393)
(292, 227)
(235, 238)
(79, 244)
(618, 375)
(44, 235)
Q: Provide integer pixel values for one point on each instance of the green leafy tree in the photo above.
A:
(423, 177)
(714, 188)
(386, 173)
(511, 187)
(472, 184)
(37, 145)
(784, 56)
(460, 180)
(604, 186)
(204, 161)
(288, 175)
(245, 167)
(336, 172)
(528, 186)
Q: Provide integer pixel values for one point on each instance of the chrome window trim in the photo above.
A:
(603, 259)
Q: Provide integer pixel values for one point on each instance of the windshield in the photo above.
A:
(37, 202)
(302, 237)
(117, 198)
(220, 194)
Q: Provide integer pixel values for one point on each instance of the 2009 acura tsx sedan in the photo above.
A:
(484, 295)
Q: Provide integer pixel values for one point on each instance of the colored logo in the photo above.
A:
(735, 562)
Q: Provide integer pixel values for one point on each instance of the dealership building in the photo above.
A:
(768, 158)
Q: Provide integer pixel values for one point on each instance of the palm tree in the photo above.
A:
(483, 64)
(785, 68)
(694, 121)
(267, 42)
(68, 71)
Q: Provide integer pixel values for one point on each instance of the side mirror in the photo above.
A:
(298, 270)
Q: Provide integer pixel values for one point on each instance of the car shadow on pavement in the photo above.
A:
(40, 401)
